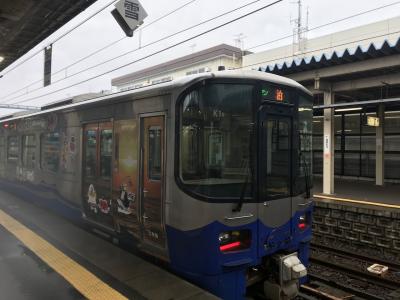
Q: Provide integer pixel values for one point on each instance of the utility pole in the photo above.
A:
(299, 31)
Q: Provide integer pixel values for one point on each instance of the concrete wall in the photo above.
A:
(364, 228)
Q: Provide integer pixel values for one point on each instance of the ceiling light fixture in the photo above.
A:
(349, 109)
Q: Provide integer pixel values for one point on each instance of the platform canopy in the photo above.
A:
(25, 23)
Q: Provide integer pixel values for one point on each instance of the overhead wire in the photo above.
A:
(137, 49)
(57, 39)
(326, 24)
(98, 50)
(156, 52)
(206, 21)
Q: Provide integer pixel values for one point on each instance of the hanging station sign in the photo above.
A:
(129, 14)
(372, 121)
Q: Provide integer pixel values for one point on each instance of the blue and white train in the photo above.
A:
(211, 173)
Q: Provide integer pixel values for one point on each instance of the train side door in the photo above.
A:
(152, 179)
(97, 172)
(275, 157)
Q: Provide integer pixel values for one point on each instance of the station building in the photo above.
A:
(355, 78)
(208, 60)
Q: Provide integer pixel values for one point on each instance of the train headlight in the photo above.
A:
(234, 240)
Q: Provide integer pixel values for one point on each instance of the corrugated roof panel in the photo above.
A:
(333, 58)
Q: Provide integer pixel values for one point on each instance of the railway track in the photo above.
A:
(349, 273)
(355, 254)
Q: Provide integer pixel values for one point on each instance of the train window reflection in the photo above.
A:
(50, 149)
(278, 157)
(12, 149)
(215, 140)
(28, 151)
(2, 150)
(154, 162)
(303, 176)
(90, 153)
(105, 153)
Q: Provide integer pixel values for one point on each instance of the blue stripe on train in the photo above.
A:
(195, 254)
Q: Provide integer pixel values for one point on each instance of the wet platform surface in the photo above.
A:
(23, 275)
(363, 191)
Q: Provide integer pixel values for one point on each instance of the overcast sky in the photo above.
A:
(266, 25)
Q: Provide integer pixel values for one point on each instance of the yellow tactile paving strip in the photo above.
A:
(357, 201)
(89, 285)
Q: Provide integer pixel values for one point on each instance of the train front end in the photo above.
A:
(243, 174)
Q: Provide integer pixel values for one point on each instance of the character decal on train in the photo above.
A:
(126, 201)
(104, 206)
(92, 199)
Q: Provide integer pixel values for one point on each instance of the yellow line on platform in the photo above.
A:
(89, 285)
(357, 201)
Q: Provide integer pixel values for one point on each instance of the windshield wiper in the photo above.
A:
(239, 205)
(249, 169)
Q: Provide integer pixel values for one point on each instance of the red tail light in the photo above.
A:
(234, 240)
(230, 246)
(302, 226)
(302, 222)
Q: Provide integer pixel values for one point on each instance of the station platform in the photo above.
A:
(43, 256)
(361, 192)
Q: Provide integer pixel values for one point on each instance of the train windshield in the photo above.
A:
(216, 133)
(217, 142)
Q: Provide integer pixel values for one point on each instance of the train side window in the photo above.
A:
(12, 149)
(28, 151)
(90, 152)
(50, 151)
(154, 159)
(106, 142)
(2, 150)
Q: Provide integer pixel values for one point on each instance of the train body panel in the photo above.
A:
(210, 173)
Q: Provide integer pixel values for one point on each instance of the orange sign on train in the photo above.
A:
(279, 95)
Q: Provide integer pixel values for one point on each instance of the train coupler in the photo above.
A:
(284, 285)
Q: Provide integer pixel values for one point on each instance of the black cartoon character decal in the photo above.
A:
(125, 201)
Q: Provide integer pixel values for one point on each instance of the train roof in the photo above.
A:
(166, 86)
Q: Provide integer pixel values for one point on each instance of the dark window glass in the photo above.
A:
(351, 164)
(392, 143)
(277, 147)
(392, 166)
(2, 150)
(392, 122)
(352, 124)
(318, 126)
(215, 140)
(50, 151)
(317, 162)
(90, 152)
(12, 149)
(29, 151)
(106, 143)
(154, 163)
(305, 169)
